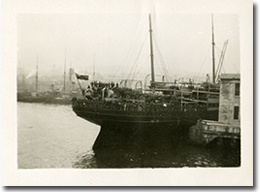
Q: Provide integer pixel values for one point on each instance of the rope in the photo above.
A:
(164, 67)
(232, 63)
(218, 49)
(142, 66)
(159, 67)
(135, 63)
(125, 64)
(121, 66)
(199, 72)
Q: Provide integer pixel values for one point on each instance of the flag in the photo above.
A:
(83, 77)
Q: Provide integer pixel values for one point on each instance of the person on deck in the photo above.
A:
(88, 93)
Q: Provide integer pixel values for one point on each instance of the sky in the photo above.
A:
(117, 44)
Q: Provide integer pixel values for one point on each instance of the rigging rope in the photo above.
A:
(159, 68)
(218, 49)
(121, 66)
(164, 68)
(135, 63)
(235, 67)
(142, 66)
(199, 72)
(125, 64)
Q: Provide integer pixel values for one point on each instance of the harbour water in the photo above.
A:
(52, 136)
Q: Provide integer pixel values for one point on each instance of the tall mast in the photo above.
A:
(36, 77)
(151, 50)
(94, 69)
(22, 70)
(65, 71)
(213, 52)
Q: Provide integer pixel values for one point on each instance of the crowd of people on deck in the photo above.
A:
(109, 96)
(99, 90)
(126, 105)
(153, 106)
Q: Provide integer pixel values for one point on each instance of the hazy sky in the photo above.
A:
(120, 43)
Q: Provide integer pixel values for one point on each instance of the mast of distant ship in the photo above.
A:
(36, 77)
(23, 82)
(65, 71)
(213, 52)
(94, 69)
(151, 50)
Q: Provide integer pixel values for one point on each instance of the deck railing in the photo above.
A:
(152, 107)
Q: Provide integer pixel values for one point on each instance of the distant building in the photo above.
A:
(229, 105)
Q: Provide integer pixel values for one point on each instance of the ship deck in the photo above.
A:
(98, 112)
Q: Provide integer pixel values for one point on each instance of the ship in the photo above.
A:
(58, 95)
(145, 117)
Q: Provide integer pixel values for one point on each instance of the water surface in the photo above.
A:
(52, 136)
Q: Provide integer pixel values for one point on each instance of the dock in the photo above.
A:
(206, 131)
(228, 125)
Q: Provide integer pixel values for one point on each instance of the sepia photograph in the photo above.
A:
(122, 91)
(131, 86)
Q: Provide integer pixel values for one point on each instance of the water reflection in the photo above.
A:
(183, 155)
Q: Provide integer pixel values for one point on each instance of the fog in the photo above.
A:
(117, 44)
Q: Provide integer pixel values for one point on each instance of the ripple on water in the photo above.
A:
(52, 136)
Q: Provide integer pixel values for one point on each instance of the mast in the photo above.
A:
(36, 77)
(213, 52)
(23, 75)
(151, 51)
(71, 85)
(65, 71)
(94, 69)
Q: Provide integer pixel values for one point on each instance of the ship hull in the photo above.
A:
(137, 136)
(123, 117)
(120, 129)
(124, 129)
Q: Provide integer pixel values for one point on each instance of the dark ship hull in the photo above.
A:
(99, 117)
(147, 126)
